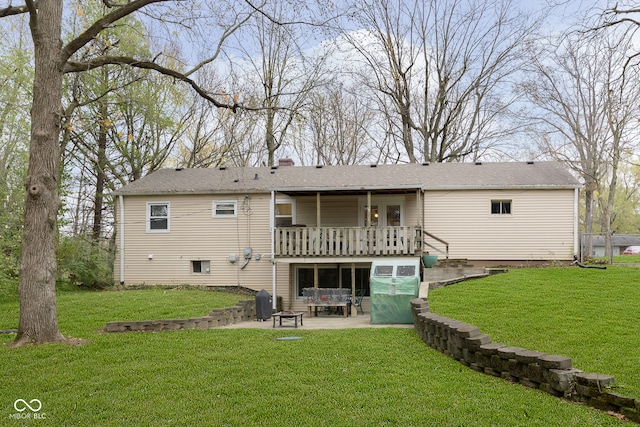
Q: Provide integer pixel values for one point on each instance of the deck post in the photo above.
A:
(354, 309)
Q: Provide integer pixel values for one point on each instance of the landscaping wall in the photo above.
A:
(244, 310)
(550, 373)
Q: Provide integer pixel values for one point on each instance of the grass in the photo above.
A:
(622, 259)
(245, 377)
(589, 315)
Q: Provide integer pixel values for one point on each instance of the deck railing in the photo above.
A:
(347, 241)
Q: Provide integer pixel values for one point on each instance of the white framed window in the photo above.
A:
(225, 208)
(200, 267)
(501, 207)
(158, 217)
(285, 211)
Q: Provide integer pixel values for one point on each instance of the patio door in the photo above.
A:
(384, 212)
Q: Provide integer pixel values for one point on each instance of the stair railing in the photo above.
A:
(446, 244)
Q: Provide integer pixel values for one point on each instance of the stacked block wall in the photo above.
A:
(550, 373)
(243, 311)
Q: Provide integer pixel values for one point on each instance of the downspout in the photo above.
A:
(121, 203)
(420, 216)
(576, 234)
(272, 210)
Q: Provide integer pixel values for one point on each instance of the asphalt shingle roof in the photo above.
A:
(434, 176)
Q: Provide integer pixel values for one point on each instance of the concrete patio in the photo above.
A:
(322, 321)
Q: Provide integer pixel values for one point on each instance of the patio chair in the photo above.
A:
(358, 301)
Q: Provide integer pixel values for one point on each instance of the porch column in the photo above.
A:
(418, 206)
(318, 233)
(368, 208)
(315, 276)
(354, 309)
(420, 217)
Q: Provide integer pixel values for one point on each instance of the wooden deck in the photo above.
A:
(347, 241)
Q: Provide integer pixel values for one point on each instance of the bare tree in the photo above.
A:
(445, 66)
(585, 109)
(280, 66)
(337, 127)
(220, 137)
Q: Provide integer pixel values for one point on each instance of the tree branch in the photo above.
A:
(226, 34)
(76, 44)
(15, 10)
(75, 67)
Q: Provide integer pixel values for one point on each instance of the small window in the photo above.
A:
(200, 267)
(501, 207)
(225, 209)
(406, 271)
(383, 270)
(157, 217)
(284, 214)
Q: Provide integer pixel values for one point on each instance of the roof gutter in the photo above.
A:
(353, 188)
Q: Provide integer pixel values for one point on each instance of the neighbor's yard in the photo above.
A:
(245, 377)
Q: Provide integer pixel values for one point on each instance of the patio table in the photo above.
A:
(288, 315)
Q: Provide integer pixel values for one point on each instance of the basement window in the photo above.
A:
(200, 267)
(501, 207)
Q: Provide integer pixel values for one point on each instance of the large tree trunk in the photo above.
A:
(38, 321)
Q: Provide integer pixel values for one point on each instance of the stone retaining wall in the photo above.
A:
(244, 310)
(550, 373)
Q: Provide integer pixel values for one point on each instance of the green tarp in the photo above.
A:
(391, 296)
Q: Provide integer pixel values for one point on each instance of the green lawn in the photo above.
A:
(592, 316)
(245, 377)
(625, 259)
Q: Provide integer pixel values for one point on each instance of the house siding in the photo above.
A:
(540, 226)
(196, 235)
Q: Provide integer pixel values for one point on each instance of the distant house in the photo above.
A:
(288, 227)
(619, 242)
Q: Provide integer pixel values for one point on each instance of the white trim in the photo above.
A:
(148, 221)
(576, 220)
(121, 200)
(205, 267)
(284, 199)
(502, 202)
(214, 208)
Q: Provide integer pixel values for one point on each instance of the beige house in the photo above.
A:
(288, 227)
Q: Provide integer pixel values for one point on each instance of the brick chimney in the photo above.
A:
(285, 162)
